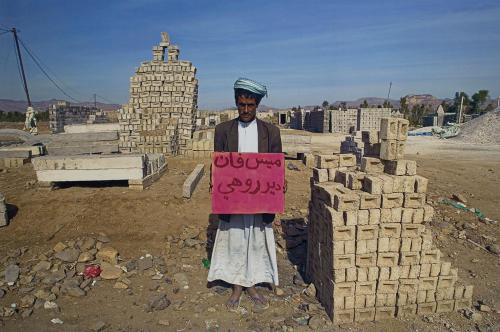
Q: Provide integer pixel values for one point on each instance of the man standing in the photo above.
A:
(244, 252)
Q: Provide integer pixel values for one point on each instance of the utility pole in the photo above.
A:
(25, 84)
(459, 120)
(95, 101)
(389, 93)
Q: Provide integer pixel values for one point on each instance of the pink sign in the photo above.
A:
(248, 183)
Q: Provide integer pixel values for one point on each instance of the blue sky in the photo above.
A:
(304, 51)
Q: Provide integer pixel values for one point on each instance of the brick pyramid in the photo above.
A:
(370, 255)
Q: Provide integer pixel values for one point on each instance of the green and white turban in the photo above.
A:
(252, 86)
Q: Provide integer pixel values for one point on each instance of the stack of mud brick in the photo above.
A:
(161, 114)
(63, 113)
(344, 121)
(369, 118)
(364, 143)
(370, 255)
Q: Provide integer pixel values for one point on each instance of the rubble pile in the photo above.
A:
(370, 255)
(482, 130)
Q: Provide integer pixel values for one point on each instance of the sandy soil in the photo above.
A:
(157, 220)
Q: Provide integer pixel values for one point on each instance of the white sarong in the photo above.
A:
(244, 250)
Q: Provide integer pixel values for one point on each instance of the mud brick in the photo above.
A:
(373, 273)
(403, 126)
(334, 217)
(392, 230)
(446, 282)
(351, 274)
(435, 269)
(366, 260)
(347, 160)
(366, 246)
(363, 217)
(320, 175)
(430, 256)
(418, 216)
(343, 289)
(409, 258)
(425, 270)
(390, 215)
(468, 291)
(406, 298)
(345, 200)
(459, 292)
(372, 184)
(462, 304)
(343, 261)
(387, 259)
(427, 240)
(343, 316)
(428, 283)
(388, 128)
(341, 177)
(370, 136)
(385, 300)
(405, 244)
(369, 201)
(387, 184)
(339, 275)
(367, 232)
(409, 183)
(420, 185)
(350, 217)
(364, 314)
(408, 285)
(389, 273)
(421, 296)
(349, 302)
(388, 149)
(364, 301)
(372, 165)
(411, 167)
(400, 149)
(386, 244)
(416, 244)
(413, 271)
(374, 217)
(326, 161)
(355, 180)
(387, 286)
(393, 200)
(405, 311)
(445, 306)
(344, 233)
(407, 215)
(395, 167)
(332, 172)
(426, 308)
(411, 230)
(343, 247)
(444, 293)
(382, 313)
(339, 303)
(326, 192)
(428, 213)
(365, 287)
(445, 268)
(414, 200)
(362, 273)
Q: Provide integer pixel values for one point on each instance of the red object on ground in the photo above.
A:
(248, 183)
(92, 271)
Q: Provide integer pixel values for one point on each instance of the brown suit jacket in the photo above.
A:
(226, 140)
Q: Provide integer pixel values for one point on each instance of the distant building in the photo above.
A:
(63, 113)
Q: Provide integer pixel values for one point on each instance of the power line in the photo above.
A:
(105, 99)
(46, 74)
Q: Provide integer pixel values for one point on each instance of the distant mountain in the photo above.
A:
(8, 105)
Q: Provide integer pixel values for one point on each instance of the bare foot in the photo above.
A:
(234, 300)
(259, 302)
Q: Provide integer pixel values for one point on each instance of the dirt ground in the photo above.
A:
(158, 221)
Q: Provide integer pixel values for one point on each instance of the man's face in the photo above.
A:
(247, 108)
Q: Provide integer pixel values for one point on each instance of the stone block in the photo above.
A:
(393, 200)
(372, 165)
(406, 298)
(365, 287)
(407, 216)
(385, 300)
(428, 213)
(382, 313)
(369, 201)
(367, 232)
(387, 286)
(409, 258)
(343, 261)
(420, 184)
(387, 259)
(344, 289)
(418, 216)
(320, 175)
(414, 200)
(374, 217)
(386, 244)
(366, 246)
(326, 161)
(445, 306)
(408, 286)
(445, 268)
(343, 316)
(446, 282)
(364, 314)
(400, 149)
(351, 274)
(390, 230)
(411, 230)
(364, 301)
(403, 126)
(462, 304)
(444, 293)
(388, 149)
(192, 181)
(406, 311)
(429, 283)
(388, 128)
(387, 183)
(366, 260)
(395, 167)
(355, 180)
(372, 184)
(363, 217)
(345, 200)
(351, 217)
(347, 160)
(430, 256)
(344, 233)
(426, 308)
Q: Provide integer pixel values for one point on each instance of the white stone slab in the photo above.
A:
(192, 180)
(89, 175)
(92, 162)
(91, 128)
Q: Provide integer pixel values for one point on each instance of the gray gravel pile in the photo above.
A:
(482, 130)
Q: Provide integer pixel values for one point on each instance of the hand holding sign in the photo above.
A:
(248, 183)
